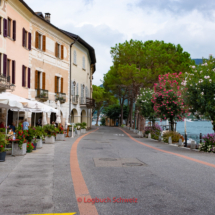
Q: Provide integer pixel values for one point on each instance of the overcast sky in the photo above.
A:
(102, 24)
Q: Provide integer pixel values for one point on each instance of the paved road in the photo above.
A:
(164, 179)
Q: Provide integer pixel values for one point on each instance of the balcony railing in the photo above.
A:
(60, 97)
(75, 99)
(42, 95)
(5, 84)
(90, 103)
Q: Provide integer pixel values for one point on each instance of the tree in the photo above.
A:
(113, 84)
(102, 99)
(145, 104)
(201, 89)
(139, 64)
(168, 98)
(114, 111)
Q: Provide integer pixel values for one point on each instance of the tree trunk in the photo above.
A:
(131, 111)
(128, 114)
(213, 123)
(121, 114)
(153, 123)
(97, 120)
(172, 124)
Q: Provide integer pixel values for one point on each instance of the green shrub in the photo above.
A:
(50, 130)
(174, 135)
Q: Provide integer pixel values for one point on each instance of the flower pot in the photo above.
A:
(83, 131)
(60, 137)
(50, 140)
(19, 152)
(78, 132)
(35, 146)
(2, 156)
(39, 143)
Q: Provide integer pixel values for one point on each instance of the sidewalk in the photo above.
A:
(39, 182)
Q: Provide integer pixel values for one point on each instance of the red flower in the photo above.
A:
(1, 146)
(22, 126)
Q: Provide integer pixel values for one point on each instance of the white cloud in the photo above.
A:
(104, 23)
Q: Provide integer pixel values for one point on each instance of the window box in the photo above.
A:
(60, 97)
(42, 94)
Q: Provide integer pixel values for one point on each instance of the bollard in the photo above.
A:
(192, 145)
(185, 144)
(180, 143)
(159, 138)
(149, 136)
(170, 140)
(200, 137)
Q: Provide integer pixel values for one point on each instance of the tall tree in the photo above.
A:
(201, 89)
(102, 99)
(139, 64)
(113, 84)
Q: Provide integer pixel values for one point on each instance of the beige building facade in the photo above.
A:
(45, 63)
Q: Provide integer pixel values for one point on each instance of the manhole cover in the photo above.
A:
(132, 164)
(92, 148)
(108, 159)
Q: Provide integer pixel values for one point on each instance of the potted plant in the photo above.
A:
(39, 135)
(51, 133)
(78, 127)
(20, 145)
(83, 127)
(3, 143)
(30, 147)
(60, 133)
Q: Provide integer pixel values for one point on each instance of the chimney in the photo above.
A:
(48, 17)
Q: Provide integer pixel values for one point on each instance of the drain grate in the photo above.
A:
(132, 164)
(108, 159)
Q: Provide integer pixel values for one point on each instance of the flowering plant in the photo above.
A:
(60, 129)
(201, 89)
(50, 130)
(30, 147)
(20, 135)
(145, 104)
(3, 143)
(169, 96)
(154, 130)
(209, 143)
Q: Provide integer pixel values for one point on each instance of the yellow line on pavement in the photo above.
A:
(56, 214)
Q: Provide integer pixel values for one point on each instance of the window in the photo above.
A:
(0, 63)
(0, 23)
(23, 76)
(40, 41)
(59, 51)
(57, 84)
(40, 80)
(9, 27)
(74, 84)
(24, 38)
(75, 55)
(8, 67)
(83, 66)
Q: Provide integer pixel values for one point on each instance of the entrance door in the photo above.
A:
(52, 117)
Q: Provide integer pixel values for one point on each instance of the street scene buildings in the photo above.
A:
(43, 63)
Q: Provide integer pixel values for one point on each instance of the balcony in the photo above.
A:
(83, 101)
(90, 103)
(60, 97)
(42, 95)
(5, 84)
(75, 99)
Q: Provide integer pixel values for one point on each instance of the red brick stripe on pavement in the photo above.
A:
(80, 186)
(172, 153)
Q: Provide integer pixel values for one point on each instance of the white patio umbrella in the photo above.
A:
(44, 121)
(8, 103)
(58, 120)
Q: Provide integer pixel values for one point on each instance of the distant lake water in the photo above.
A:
(195, 127)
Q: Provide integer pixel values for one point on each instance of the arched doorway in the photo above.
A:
(83, 116)
(74, 114)
(53, 117)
